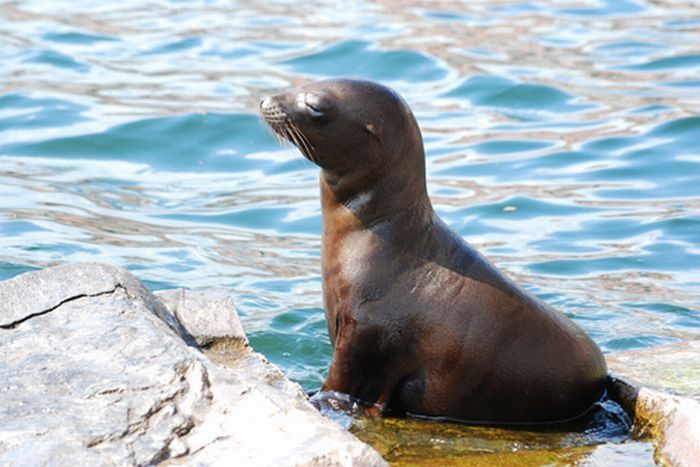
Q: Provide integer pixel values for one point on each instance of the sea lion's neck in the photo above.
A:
(385, 198)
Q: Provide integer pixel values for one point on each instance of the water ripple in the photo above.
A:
(561, 138)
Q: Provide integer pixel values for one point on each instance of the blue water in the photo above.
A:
(562, 138)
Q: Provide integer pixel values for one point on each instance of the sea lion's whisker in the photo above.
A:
(272, 129)
(284, 141)
(301, 142)
(289, 131)
(310, 147)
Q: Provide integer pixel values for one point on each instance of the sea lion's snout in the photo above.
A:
(272, 110)
(275, 113)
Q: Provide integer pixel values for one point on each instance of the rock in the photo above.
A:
(36, 293)
(672, 421)
(209, 315)
(96, 371)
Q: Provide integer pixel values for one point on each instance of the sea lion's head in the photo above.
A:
(354, 130)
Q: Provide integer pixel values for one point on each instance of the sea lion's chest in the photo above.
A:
(354, 267)
(370, 271)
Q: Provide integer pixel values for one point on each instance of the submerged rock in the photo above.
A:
(96, 370)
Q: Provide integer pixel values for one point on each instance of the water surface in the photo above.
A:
(562, 139)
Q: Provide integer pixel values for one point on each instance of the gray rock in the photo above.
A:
(96, 371)
(37, 293)
(209, 315)
(672, 421)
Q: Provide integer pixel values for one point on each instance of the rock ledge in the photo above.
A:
(96, 370)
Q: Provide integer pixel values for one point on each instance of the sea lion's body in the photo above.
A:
(420, 322)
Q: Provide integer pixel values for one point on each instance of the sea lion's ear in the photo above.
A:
(373, 131)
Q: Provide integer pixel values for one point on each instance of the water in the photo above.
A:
(602, 437)
(562, 138)
(602, 440)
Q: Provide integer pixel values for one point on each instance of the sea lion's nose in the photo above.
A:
(272, 110)
(265, 103)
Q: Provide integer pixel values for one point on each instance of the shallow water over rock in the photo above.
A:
(412, 442)
(605, 432)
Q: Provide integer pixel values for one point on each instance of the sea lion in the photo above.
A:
(420, 322)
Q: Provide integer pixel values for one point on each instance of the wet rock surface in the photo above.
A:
(673, 422)
(97, 371)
